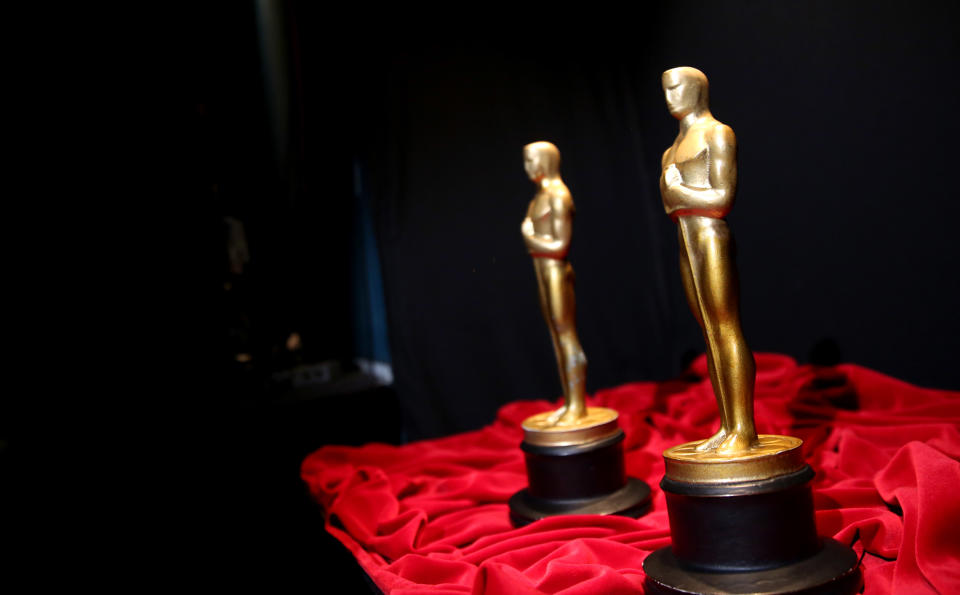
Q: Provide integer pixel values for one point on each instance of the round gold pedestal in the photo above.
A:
(597, 424)
(771, 457)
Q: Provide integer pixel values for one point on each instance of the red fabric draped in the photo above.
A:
(431, 516)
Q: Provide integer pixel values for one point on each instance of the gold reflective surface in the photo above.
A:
(770, 457)
(595, 424)
(546, 231)
(698, 184)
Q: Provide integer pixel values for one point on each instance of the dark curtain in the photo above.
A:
(844, 219)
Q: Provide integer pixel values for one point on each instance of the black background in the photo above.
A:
(845, 115)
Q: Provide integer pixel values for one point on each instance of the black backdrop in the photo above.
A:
(846, 206)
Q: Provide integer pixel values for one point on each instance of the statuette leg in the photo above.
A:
(710, 281)
(558, 303)
(690, 289)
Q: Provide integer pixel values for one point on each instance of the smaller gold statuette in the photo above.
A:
(740, 504)
(574, 455)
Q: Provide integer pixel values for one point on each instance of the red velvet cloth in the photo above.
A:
(431, 516)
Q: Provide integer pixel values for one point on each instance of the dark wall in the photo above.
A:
(846, 200)
(466, 329)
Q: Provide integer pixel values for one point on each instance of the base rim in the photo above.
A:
(599, 423)
(632, 500)
(833, 570)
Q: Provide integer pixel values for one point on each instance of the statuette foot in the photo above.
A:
(565, 416)
(736, 443)
(712, 442)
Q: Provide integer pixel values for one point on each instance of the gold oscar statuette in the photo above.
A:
(698, 183)
(740, 504)
(574, 454)
(547, 230)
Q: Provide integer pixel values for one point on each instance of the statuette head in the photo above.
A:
(541, 160)
(685, 90)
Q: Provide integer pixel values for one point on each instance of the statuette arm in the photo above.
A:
(557, 242)
(715, 200)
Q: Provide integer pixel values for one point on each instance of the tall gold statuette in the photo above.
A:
(740, 505)
(574, 455)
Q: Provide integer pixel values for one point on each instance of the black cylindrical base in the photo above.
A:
(577, 471)
(749, 537)
(579, 479)
(749, 526)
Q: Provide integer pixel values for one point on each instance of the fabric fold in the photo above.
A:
(431, 516)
